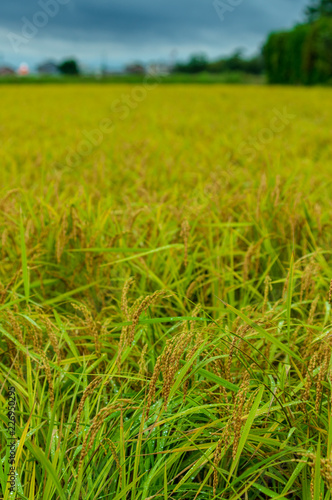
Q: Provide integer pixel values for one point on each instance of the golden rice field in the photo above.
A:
(165, 314)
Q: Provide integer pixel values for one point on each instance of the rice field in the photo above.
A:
(165, 299)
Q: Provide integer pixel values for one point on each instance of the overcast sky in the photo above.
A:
(120, 31)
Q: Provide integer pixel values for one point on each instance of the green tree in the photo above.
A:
(318, 9)
(302, 55)
(69, 67)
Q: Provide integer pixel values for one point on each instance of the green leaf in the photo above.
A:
(246, 430)
(289, 295)
(317, 479)
(143, 254)
(25, 269)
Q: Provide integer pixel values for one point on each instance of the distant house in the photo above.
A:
(23, 69)
(159, 69)
(6, 71)
(135, 69)
(48, 68)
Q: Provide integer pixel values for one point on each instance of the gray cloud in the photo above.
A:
(127, 29)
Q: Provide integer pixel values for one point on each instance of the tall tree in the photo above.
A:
(317, 9)
(69, 67)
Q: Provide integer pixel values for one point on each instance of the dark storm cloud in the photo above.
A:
(148, 28)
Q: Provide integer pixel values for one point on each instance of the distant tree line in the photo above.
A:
(199, 63)
(304, 54)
